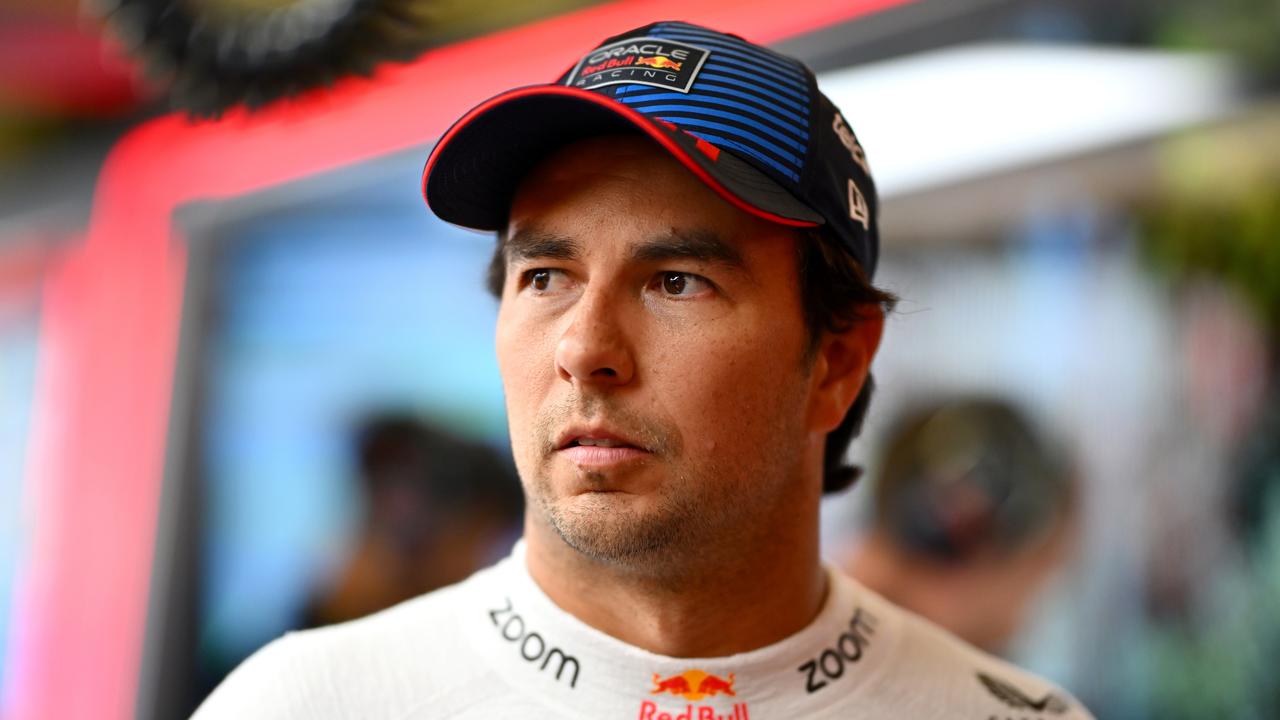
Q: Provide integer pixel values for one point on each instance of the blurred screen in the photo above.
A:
(325, 312)
(19, 334)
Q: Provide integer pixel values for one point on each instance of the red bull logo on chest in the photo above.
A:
(693, 685)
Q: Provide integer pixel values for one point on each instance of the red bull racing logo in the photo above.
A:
(661, 62)
(693, 685)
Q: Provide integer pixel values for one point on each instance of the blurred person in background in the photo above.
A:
(973, 512)
(437, 509)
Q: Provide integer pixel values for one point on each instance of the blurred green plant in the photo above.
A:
(1248, 29)
(1223, 666)
(1239, 245)
(1218, 217)
(1221, 215)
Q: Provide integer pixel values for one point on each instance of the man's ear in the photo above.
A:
(841, 365)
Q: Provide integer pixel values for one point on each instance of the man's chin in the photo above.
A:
(615, 526)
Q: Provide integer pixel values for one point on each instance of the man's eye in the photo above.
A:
(542, 279)
(680, 283)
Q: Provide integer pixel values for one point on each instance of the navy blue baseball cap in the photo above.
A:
(747, 121)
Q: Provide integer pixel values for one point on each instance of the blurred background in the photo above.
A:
(247, 381)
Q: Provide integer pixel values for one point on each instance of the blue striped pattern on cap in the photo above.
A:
(745, 99)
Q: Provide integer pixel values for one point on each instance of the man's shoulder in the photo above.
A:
(933, 673)
(398, 627)
(386, 662)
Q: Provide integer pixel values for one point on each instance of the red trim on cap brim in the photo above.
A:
(650, 126)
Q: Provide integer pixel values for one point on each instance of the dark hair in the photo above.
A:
(399, 448)
(835, 295)
(1016, 485)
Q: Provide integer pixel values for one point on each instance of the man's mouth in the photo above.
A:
(598, 442)
(598, 447)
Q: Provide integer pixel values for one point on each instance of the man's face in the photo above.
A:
(652, 349)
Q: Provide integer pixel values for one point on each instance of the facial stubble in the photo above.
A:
(697, 513)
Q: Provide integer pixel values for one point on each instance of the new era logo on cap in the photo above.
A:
(644, 61)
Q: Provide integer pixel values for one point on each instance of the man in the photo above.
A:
(973, 514)
(436, 507)
(687, 230)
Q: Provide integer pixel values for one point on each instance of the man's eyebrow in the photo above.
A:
(531, 244)
(701, 245)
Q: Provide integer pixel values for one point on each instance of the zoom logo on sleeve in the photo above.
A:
(533, 648)
(644, 60)
(847, 649)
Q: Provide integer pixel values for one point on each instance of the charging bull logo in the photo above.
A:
(693, 685)
(659, 61)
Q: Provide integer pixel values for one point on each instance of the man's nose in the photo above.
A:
(594, 349)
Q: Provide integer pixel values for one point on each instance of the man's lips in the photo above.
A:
(597, 447)
(595, 436)
(585, 455)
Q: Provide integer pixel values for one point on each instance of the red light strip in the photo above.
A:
(110, 318)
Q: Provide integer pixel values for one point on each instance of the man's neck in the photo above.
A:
(749, 598)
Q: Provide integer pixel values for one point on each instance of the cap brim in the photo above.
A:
(472, 174)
